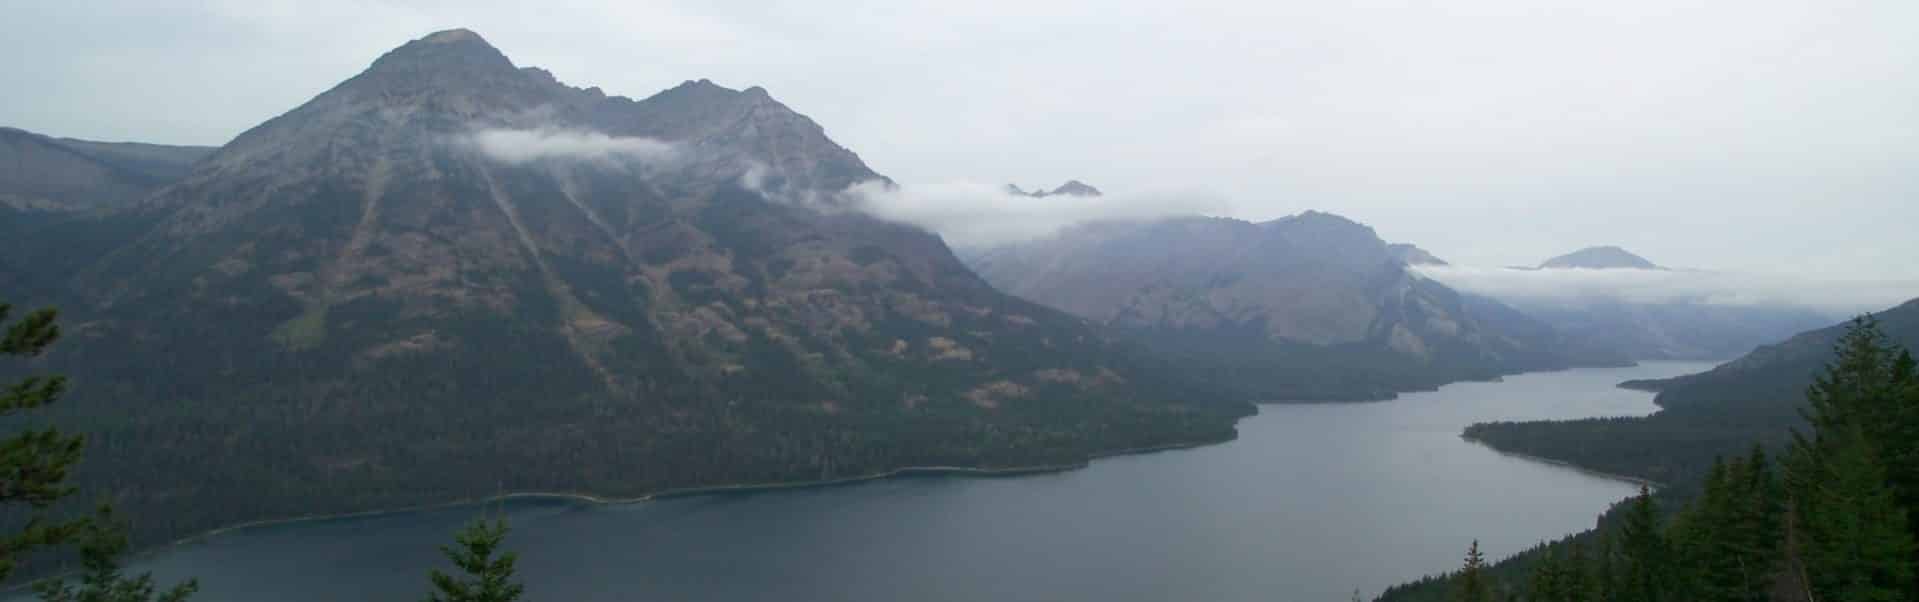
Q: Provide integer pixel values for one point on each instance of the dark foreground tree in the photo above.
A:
(102, 543)
(1472, 585)
(33, 461)
(1645, 574)
(1854, 542)
(487, 571)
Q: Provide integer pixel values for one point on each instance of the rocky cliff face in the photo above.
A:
(1298, 291)
(450, 275)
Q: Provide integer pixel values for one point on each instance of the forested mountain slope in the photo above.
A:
(1720, 412)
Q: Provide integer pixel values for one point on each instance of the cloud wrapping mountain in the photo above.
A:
(976, 214)
(518, 146)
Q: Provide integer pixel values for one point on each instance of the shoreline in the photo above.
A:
(1649, 483)
(601, 500)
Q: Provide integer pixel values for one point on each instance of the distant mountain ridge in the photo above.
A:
(1310, 306)
(1668, 329)
(39, 172)
(1070, 188)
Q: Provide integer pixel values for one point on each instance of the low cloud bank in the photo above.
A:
(1573, 286)
(525, 145)
(974, 214)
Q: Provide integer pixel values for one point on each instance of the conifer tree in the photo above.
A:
(1643, 553)
(1853, 534)
(1472, 584)
(1873, 385)
(488, 571)
(1757, 530)
(102, 543)
(1580, 584)
(1550, 580)
(34, 461)
(1606, 569)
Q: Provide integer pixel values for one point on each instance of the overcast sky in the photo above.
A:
(1745, 135)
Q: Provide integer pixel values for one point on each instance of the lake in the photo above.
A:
(1311, 502)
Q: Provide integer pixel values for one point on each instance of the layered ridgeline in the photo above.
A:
(1308, 307)
(42, 173)
(1721, 412)
(449, 277)
(1612, 297)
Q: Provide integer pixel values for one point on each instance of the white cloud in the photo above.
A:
(1573, 286)
(524, 145)
(971, 213)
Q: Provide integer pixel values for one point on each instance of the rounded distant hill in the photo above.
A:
(1600, 258)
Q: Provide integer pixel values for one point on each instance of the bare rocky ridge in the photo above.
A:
(449, 276)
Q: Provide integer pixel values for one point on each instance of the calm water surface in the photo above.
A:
(1310, 503)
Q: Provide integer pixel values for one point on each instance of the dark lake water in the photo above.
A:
(1310, 503)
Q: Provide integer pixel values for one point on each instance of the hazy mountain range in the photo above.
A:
(449, 276)
(1312, 306)
(1648, 327)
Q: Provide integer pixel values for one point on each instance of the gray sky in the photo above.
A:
(1749, 135)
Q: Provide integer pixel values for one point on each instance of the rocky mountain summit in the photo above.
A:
(450, 276)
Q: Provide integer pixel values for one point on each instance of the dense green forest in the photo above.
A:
(1721, 412)
(1829, 521)
(189, 432)
(35, 462)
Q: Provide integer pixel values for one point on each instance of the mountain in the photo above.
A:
(1413, 255)
(1721, 412)
(1653, 328)
(1672, 329)
(1600, 258)
(39, 172)
(1312, 306)
(450, 277)
(1070, 188)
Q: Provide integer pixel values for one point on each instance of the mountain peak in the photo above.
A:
(1076, 188)
(1600, 258)
(459, 34)
(442, 51)
(1070, 188)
